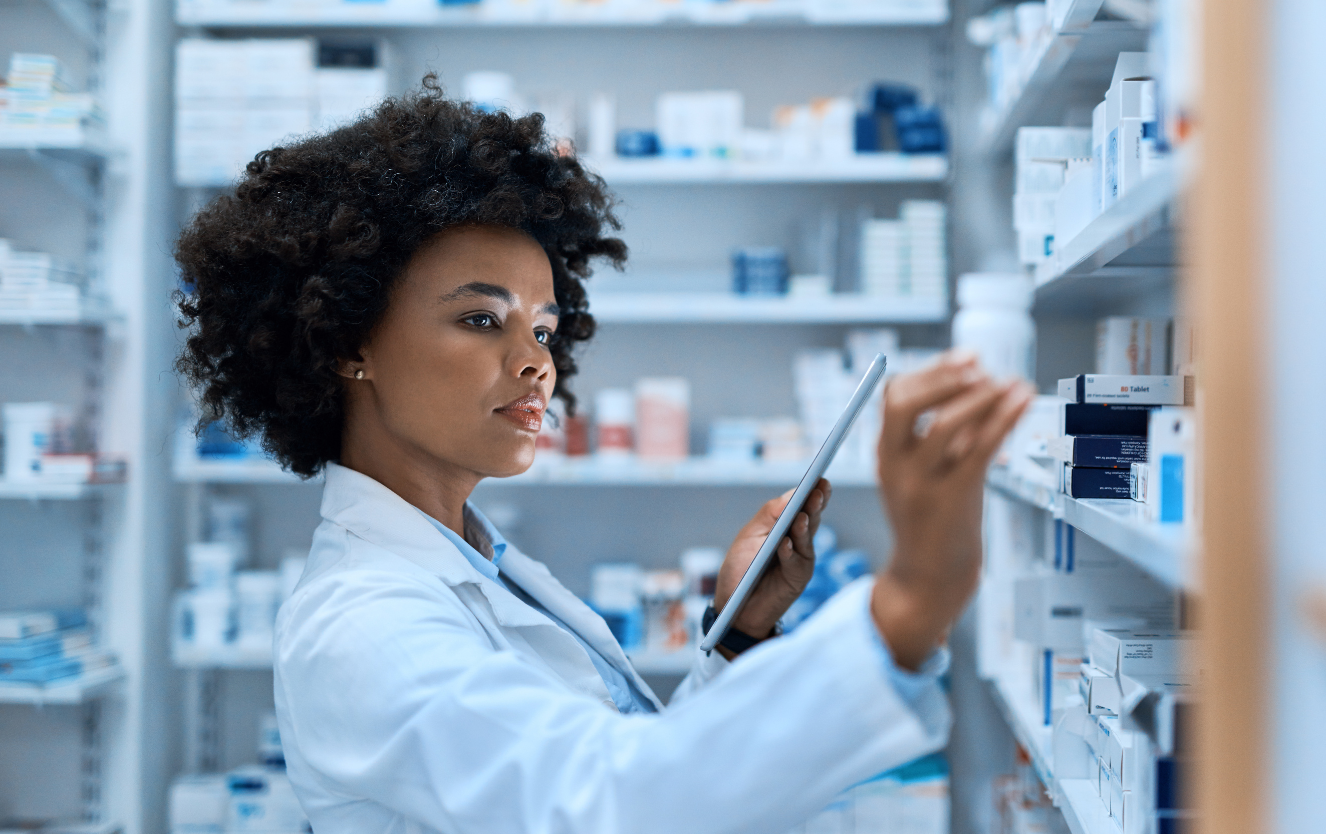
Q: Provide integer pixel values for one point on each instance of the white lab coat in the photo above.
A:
(416, 695)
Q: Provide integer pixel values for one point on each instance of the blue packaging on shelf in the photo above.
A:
(920, 130)
(637, 143)
(759, 270)
(56, 644)
(888, 98)
(1089, 482)
(1104, 418)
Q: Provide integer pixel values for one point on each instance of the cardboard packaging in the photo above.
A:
(1133, 346)
(1103, 418)
(1171, 445)
(1098, 450)
(1127, 389)
(1090, 482)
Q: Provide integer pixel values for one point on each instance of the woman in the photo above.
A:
(393, 304)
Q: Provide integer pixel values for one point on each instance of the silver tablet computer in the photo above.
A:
(816, 471)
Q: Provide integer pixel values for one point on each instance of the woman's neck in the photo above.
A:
(434, 486)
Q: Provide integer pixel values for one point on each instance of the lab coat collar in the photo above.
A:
(376, 514)
(373, 512)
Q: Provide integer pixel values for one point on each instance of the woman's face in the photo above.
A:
(459, 371)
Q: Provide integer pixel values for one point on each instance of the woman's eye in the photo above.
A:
(544, 336)
(482, 320)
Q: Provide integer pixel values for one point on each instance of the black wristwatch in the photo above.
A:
(734, 641)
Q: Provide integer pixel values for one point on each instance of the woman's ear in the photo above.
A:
(355, 367)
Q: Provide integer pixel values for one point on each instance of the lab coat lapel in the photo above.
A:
(536, 580)
(376, 514)
(373, 512)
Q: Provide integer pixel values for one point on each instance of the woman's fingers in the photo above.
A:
(907, 397)
(963, 413)
(1005, 415)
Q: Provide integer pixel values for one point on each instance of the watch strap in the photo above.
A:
(735, 640)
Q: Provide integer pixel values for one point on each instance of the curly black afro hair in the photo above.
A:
(288, 276)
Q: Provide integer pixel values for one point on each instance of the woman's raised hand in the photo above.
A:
(941, 427)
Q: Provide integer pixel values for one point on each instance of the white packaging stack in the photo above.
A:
(906, 258)
(1042, 155)
(236, 98)
(38, 106)
(883, 272)
(257, 596)
(30, 284)
(700, 124)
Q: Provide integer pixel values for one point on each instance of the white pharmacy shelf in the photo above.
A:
(38, 491)
(1075, 798)
(236, 657)
(68, 156)
(233, 656)
(859, 168)
(249, 470)
(590, 470)
(408, 14)
(89, 312)
(1079, 53)
(69, 691)
(729, 308)
(1166, 551)
(1127, 249)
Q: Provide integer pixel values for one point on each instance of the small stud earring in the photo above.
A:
(359, 374)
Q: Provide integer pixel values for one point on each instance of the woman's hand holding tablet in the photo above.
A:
(941, 427)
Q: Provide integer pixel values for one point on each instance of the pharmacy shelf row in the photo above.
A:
(729, 308)
(50, 491)
(1165, 551)
(1078, 51)
(888, 167)
(858, 168)
(1128, 248)
(73, 691)
(92, 312)
(410, 14)
(590, 470)
(79, 17)
(1079, 802)
(237, 657)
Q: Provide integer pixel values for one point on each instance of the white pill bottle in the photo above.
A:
(994, 320)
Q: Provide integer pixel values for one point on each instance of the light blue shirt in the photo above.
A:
(909, 685)
(624, 694)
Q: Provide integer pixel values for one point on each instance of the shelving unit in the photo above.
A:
(1076, 798)
(587, 471)
(861, 168)
(1070, 56)
(20, 491)
(91, 312)
(1165, 551)
(65, 692)
(415, 14)
(727, 308)
(236, 657)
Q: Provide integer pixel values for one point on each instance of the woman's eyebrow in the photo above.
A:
(551, 309)
(478, 288)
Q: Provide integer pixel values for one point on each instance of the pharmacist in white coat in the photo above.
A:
(391, 304)
(433, 678)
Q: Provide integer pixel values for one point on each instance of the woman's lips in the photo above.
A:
(526, 412)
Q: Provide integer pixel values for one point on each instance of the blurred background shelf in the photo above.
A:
(728, 308)
(1080, 53)
(10, 490)
(409, 15)
(236, 657)
(587, 471)
(861, 168)
(90, 312)
(72, 691)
